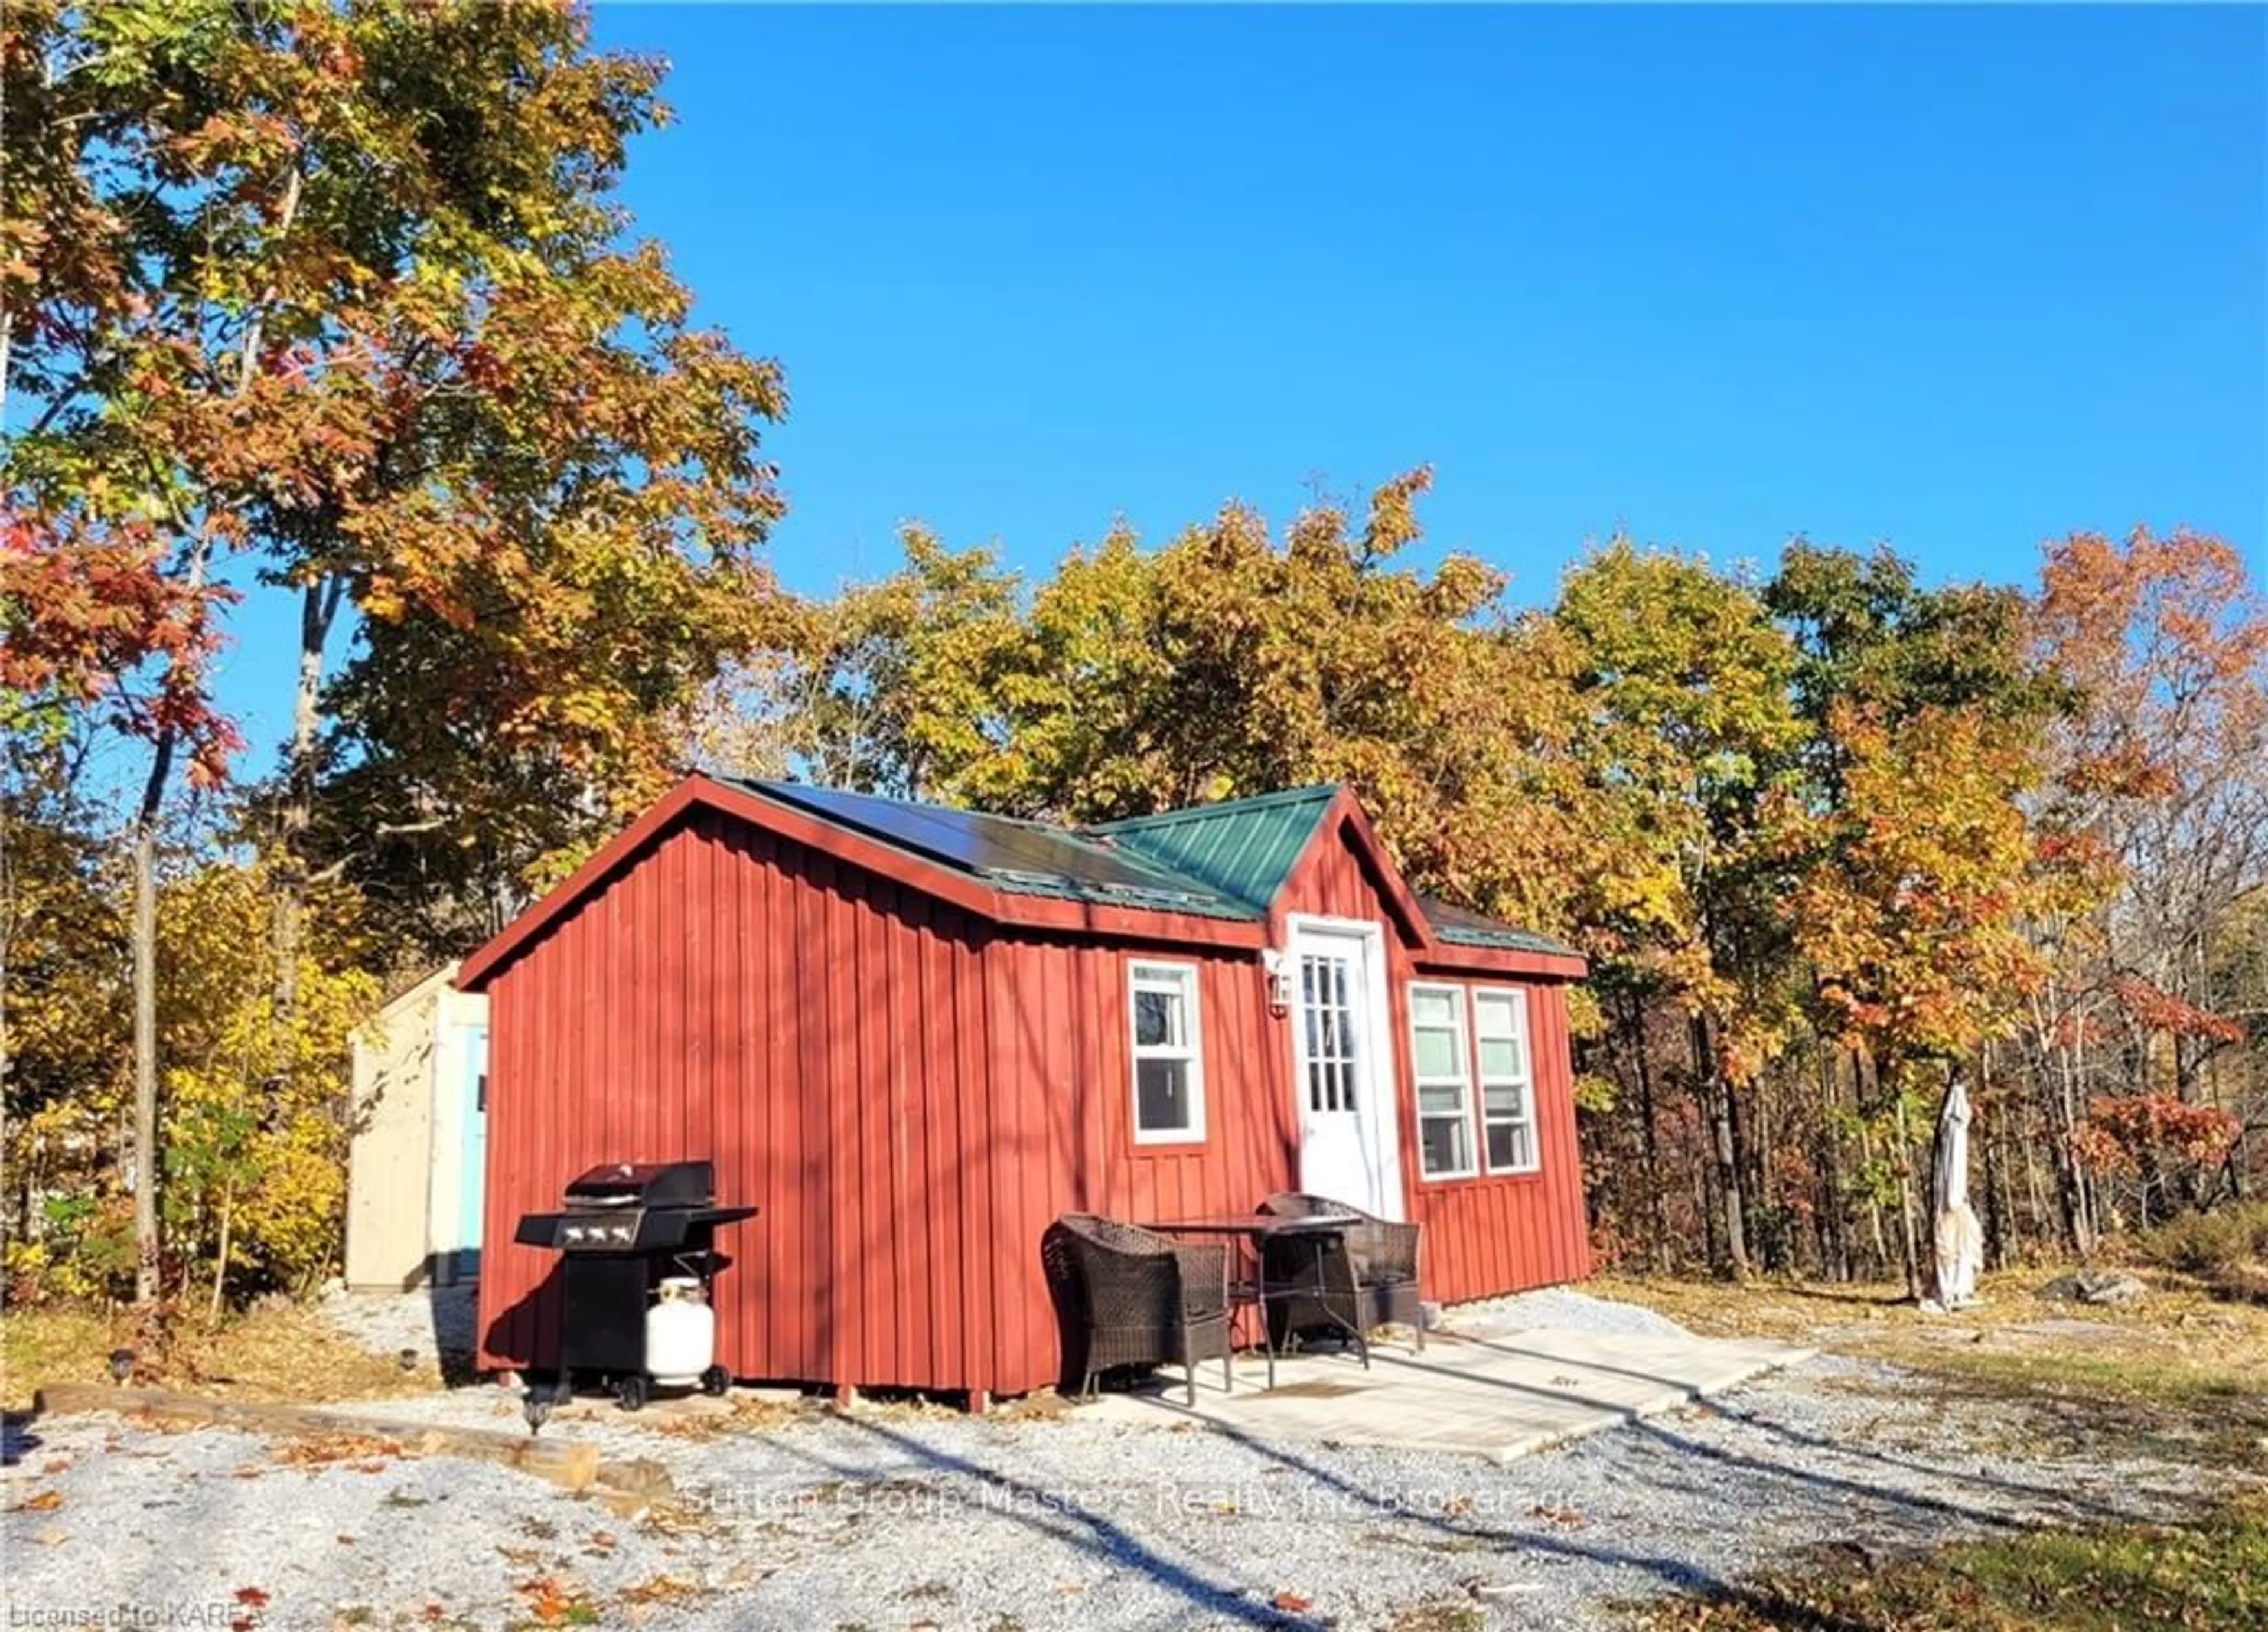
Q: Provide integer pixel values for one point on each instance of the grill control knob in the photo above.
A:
(622, 1233)
(573, 1232)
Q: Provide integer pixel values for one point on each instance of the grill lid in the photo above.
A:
(648, 1184)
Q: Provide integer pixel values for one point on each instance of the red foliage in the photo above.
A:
(2119, 1134)
(81, 617)
(2154, 1010)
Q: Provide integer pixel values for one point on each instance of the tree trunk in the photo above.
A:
(2035, 1188)
(1656, 1222)
(1752, 1137)
(319, 606)
(1906, 1239)
(1881, 1266)
(1990, 1123)
(1718, 1096)
(147, 1244)
(220, 1259)
(144, 953)
(2071, 1172)
(1834, 1246)
(2004, 1228)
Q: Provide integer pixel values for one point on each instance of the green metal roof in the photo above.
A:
(1242, 849)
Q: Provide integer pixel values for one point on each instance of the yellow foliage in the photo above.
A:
(255, 1122)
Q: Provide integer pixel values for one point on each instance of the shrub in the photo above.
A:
(2218, 1246)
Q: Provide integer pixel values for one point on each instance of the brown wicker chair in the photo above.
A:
(1371, 1281)
(1126, 1295)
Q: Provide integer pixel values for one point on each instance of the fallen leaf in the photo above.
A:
(1291, 1603)
(50, 1536)
(252, 1597)
(346, 1540)
(660, 1590)
(337, 1448)
(46, 1501)
(55, 1464)
(549, 1603)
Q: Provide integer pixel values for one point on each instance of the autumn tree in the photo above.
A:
(1688, 728)
(1931, 678)
(2165, 769)
(342, 290)
(1914, 895)
(884, 687)
(1226, 662)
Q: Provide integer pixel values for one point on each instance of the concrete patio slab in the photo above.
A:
(1500, 1395)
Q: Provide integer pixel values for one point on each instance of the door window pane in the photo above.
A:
(1331, 1031)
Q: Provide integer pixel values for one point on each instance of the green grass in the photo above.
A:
(2208, 1575)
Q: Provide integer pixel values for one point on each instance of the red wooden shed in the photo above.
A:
(913, 1036)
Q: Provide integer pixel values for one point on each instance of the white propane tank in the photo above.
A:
(681, 1333)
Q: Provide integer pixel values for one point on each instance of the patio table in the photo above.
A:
(1258, 1229)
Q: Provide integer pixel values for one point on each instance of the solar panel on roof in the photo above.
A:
(971, 841)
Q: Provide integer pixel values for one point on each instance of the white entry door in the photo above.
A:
(1344, 1061)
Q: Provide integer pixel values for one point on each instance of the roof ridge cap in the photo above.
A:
(1246, 801)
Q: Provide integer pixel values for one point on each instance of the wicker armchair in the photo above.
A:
(1125, 1295)
(1370, 1280)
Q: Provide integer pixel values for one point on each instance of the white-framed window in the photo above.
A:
(1169, 1062)
(1508, 1079)
(1444, 1077)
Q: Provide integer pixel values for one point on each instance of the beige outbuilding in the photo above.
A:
(414, 1180)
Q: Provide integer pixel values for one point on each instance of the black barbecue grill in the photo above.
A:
(625, 1227)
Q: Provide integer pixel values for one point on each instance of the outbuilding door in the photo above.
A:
(471, 1182)
(1343, 1058)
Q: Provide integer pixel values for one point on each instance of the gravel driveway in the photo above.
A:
(894, 1518)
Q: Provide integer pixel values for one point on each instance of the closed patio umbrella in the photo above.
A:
(1950, 1280)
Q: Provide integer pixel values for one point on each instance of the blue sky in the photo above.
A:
(1956, 280)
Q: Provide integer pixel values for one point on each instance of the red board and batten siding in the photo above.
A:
(733, 995)
(1493, 1232)
(910, 1092)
